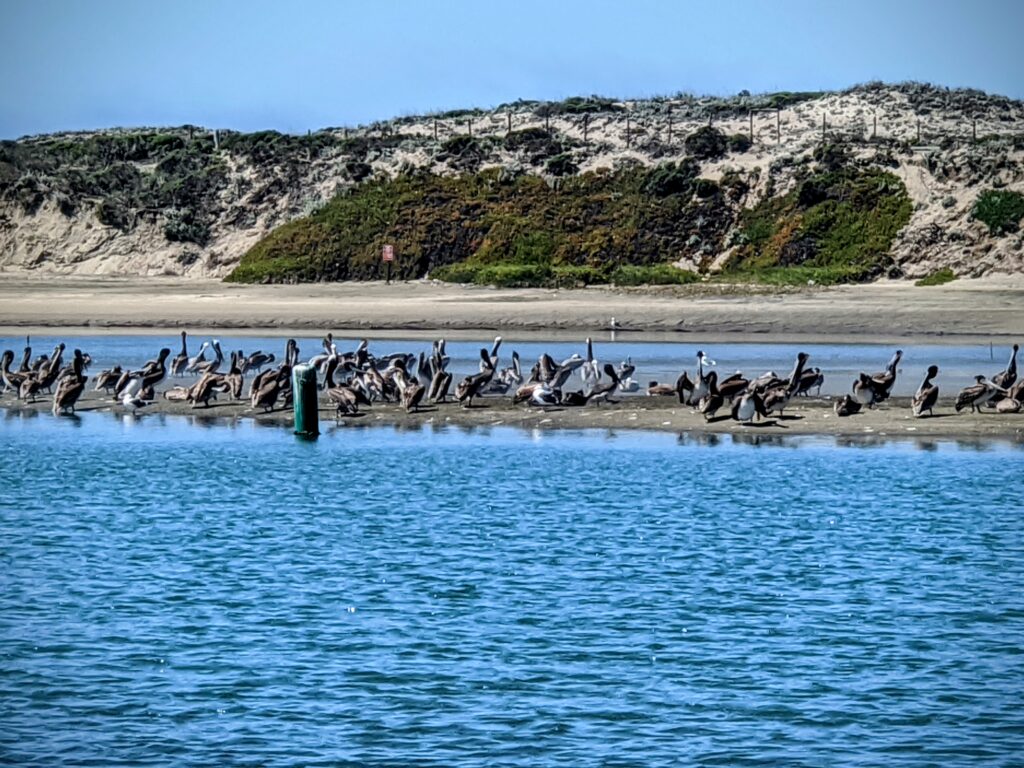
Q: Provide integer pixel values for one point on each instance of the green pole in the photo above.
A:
(304, 401)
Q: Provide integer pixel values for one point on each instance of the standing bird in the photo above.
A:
(471, 386)
(976, 395)
(778, 398)
(153, 373)
(181, 359)
(605, 389)
(747, 406)
(1006, 378)
(713, 400)
(927, 394)
(70, 387)
(884, 381)
(197, 360)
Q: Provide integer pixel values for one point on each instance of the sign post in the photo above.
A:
(388, 256)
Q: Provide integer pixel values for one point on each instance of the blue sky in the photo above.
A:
(299, 65)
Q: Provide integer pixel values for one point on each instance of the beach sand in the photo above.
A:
(807, 416)
(964, 311)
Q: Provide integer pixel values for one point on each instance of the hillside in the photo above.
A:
(893, 180)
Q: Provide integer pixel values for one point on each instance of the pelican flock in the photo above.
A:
(356, 379)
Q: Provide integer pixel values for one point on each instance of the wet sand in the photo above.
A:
(964, 311)
(808, 416)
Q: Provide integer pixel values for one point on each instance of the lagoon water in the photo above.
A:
(177, 591)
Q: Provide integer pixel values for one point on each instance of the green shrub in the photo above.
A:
(707, 143)
(656, 274)
(513, 275)
(739, 143)
(186, 226)
(1001, 209)
(671, 179)
(561, 165)
(456, 273)
(571, 276)
(939, 277)
(705, 188)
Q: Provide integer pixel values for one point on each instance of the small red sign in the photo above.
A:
(388, 253)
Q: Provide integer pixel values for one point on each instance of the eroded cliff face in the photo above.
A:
(187, 201)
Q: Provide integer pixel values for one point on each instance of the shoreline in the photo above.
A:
(806, 417)
(961, 312)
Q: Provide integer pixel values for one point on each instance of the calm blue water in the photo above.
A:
(202, 594)
(655, 361)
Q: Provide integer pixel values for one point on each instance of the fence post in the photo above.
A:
(586, 121)
(751, 126)
(469, 127)
(627, 129)
(509, 130)
(669, 124)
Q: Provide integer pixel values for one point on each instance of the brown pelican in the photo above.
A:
(927, 394)
(747, 406)
(256, 361)
(198, 360)
(778, 398)
(411, 390)
(271, 386)
(884, 381)
(731, 386)
(1008, 405)
(23, 367)
(154, 372)
(439, 386)
(210, 366)
(50, 371)
(654, 389)
(700, 384)
(866, 390)
(233, 378)
(204, 389)
(811, 378)
(471, 386)
(181, 359)
(847, 406)
(590, 371)
(976, 395)
(70, 387)
(347, 399)
(684, 388)
(525, 393)
(29, 388)
(713, 400)
(107, 379)
(492, 358)
(12, 379)
(177, 394)
(605, 389)
(1006, 378)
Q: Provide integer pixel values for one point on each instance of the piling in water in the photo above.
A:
(304, 401)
